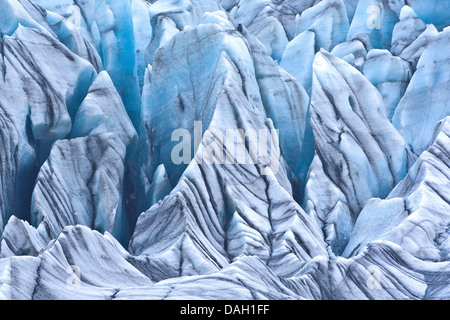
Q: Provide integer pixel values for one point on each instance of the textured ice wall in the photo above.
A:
(353, 203)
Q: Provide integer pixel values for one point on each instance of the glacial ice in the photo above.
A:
(414, 214)
(298, 58)
(414, 51)
(99, 97)
(45, 83)
(108, 24)
(402, 276)
(103, 111)
(390, 75)
(436, 12)
(214, 216)
(91, 196)
(329, 22)
(142, 29)
(21, 239)
(361, 151)
(373, 23)
(353, 52)
(169, 17)
(288, 107)
(286, 12)
(426, 94)
(13, 14)
(326, 203)
(406, 31)
(350, 7)
(194, 100)
(73, 39)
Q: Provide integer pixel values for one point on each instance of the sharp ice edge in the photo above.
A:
(91, 91)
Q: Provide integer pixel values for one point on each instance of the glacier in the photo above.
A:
(119, 179)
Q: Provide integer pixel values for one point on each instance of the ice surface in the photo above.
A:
(436, 12)
(109, 24)
(353, 52)
(286, 12)
(286, 102)
(13, 14)
(402, 276)
(326, 203)
(361, 151)
(426, 99)
(90, 195)
(217, 216)
(329, 22)
(390, 75)
(298, 58)
(21, 239)
(103, 111)
(142, 28)
(406, 31)
(414, 51)
(169, 17)
(72, 38)
(414, 215)
(42, 85)
(350, 201)
(373, 23)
